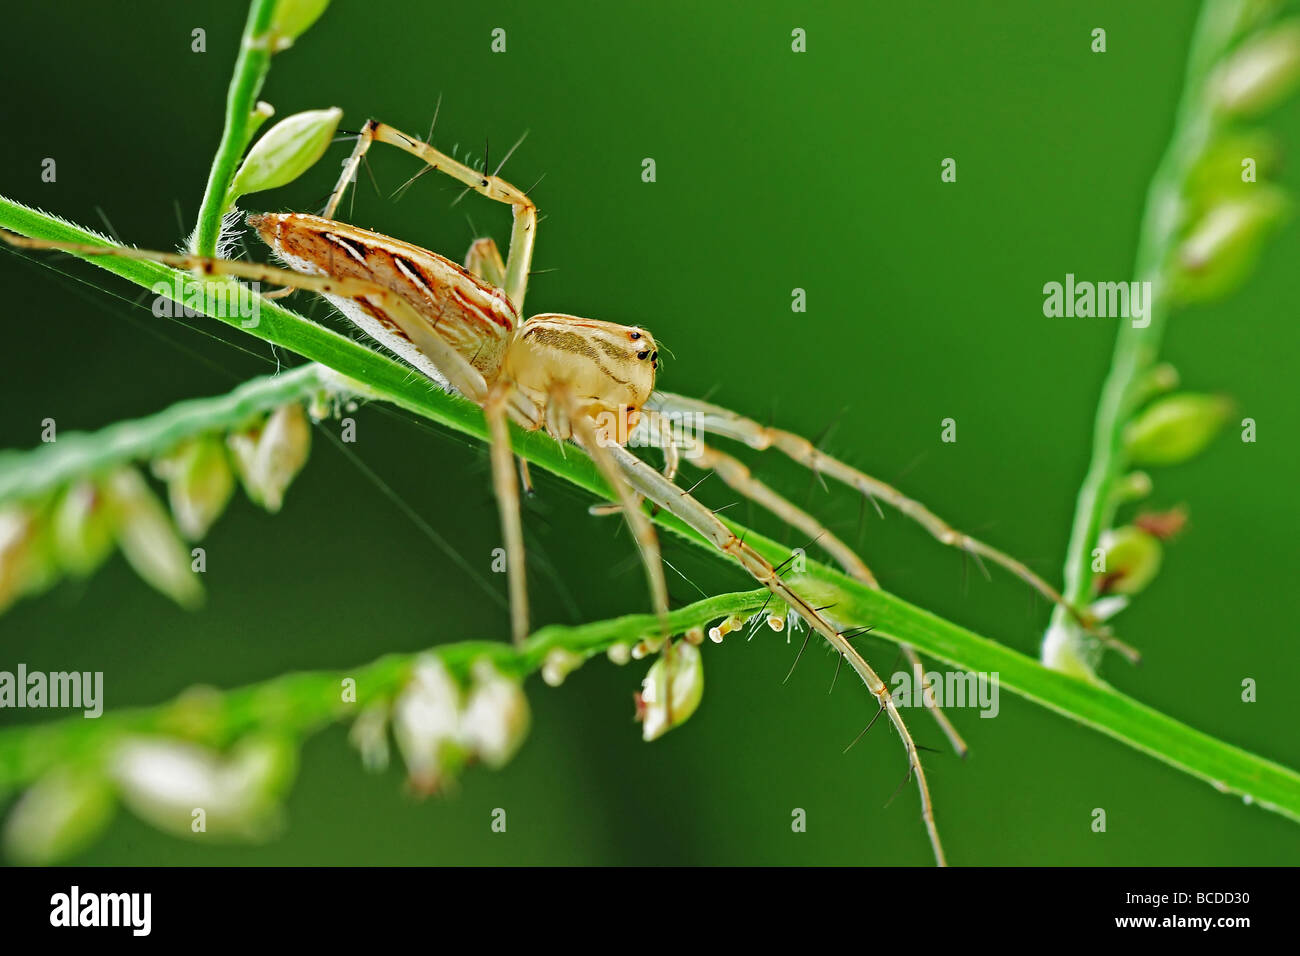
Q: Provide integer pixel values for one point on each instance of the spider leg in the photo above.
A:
(484, 260)
(669, 447)
(738, 477)
(672, 499)
(597, 445)
(495, 410)
(667, 442)
(955, 739)
(523, 232)
(722, 421)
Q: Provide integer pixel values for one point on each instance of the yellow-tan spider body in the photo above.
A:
(608, 369)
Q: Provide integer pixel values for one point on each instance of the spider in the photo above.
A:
(581, 380)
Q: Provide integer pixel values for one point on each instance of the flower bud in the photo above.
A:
(1224, 243)
(57, 817)
(426, 724)
(148, 540)
(671, 690)
(1260, 73)
(1160, 379)
(261, 768)
(199, 484)
(647, 646)
(262, 112)
(292, 18)
(1132, 559)
(369, 734)
(495, 719)
(322, 405)
(1134, 486)
(285, 151)
(165, 782)
(725, 627)
(270, 458)
(83, 528)
(560, 663)
(1218, 173)
(1173, 429)
(16, 528)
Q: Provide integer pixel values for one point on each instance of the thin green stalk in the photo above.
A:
(26, 475)
(1137, 347)
(1090, 703)
(298, 704)
(251, 67)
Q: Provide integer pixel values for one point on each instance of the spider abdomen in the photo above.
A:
(473, 316)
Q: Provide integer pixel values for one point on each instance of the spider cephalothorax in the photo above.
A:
(609, 369)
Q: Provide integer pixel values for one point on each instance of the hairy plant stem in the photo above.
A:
(1091, 703)
(1066, 645)
(25, 475)
(251, 67)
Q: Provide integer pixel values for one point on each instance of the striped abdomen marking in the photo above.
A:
(475, 318)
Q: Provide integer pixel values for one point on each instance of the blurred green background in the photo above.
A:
(775, 171)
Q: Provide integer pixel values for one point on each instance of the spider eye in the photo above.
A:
(642, 355)
(654, 356)
(635, 336)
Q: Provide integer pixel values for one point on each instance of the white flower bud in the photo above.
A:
(725, 627)
(426, 723)
(671, 690)
(270, 458)
(369, 734)
(559, 663)
(148, 540)
(165, 781)
(495, 720)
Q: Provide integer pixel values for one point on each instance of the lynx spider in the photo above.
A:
(580, 380)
